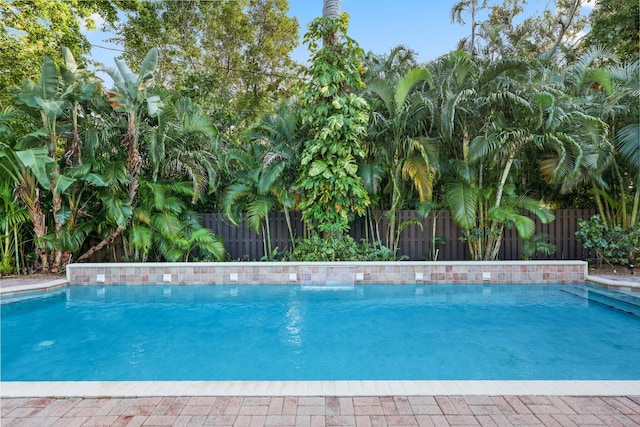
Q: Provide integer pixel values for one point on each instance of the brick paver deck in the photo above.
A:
(324, 411)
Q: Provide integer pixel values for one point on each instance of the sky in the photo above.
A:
(377, 25)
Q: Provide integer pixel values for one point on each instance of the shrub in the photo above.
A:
(537, 244)
(615, 245)
(332, 249)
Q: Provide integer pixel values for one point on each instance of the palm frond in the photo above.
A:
(371, 175)
(269, 176)
(407, 84)
(462, 200)
(629, 143)
(421, 175)
(258, 211)
(384, 91)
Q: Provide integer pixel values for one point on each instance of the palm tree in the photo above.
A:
(473, 7)
(331, 8)
(43, 100)
(489, 115)
(610, 164)
(281, 135)
(185, 145)
(164, 228)
(12, 218)
(400, 123)
(251, 191)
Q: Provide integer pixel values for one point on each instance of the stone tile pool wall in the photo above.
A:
(321, 273)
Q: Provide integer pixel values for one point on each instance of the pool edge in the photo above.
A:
(125, 389)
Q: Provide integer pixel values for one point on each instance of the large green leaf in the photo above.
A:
(407, 84)
(317, 167)
(118, 210)
(371, 175)
(526, 226)
(70, 68)
(115, 173)
(269, 176)
(154, 105)
(629, 143)
(127, 75)
(62, 183)
(233, 198)
(48, 85)
(52, 108)
(205, 239)
(542, 212)
(508, 216)
(147, 68)
(257, 211)
(63, 214)
(140, 238)
(462, 200)
(167, 224)
(384, 90)
(36, 160)
(95, 179)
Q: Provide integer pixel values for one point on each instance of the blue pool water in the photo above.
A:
(286, 333)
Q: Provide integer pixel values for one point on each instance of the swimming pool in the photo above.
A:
(282, 332)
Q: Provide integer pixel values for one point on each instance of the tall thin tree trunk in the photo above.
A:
(564, 25)
(493, 239)
(17, 249)
(289, 227)
(331, 9)
(636, 203)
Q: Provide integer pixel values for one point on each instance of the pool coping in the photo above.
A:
(60, 283)
(125, 389)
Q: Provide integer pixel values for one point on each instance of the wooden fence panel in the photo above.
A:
(244, 244)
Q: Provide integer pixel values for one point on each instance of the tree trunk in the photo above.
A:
(289, 227)
(564, 25)
(331, 9)
(636, 203)
(102, 244)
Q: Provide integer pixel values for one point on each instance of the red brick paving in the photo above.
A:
(399, 411)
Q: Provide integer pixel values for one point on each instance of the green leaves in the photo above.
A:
(148, 67)
(407, 84)
(48, 85)
(337, 119)
(62, 183)
(132, 89)
(37, 160)
(463, 202)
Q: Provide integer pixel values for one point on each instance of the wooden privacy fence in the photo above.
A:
(243, 244)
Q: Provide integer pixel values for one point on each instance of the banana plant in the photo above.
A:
(131, 97)
(43, 100)
(56, 99)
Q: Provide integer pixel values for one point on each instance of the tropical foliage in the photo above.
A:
(336, 118)
(525, 117)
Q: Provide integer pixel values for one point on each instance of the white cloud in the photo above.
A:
(589, 4)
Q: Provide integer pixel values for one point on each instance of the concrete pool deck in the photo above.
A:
(350, 403)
